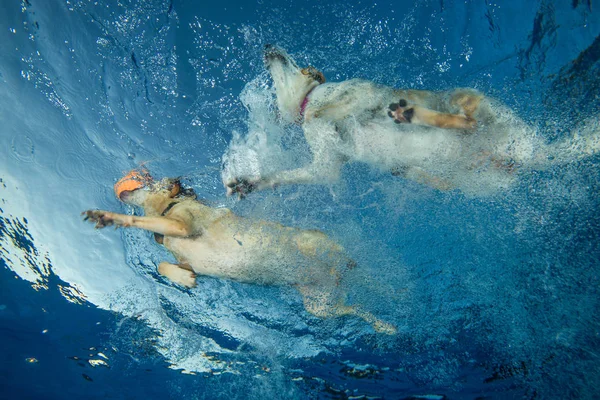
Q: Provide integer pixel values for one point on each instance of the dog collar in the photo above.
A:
(305, 102)
(168, 208)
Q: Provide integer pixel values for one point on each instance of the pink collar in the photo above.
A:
(305, 102)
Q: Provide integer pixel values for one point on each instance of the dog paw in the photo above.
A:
(468, 124)
(241, 187)
(101, 218)
(401, 112)
(399, 171)
(187, 279)
(177, 274)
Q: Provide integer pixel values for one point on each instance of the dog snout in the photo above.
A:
(125, 196)
(271, 48)
(273, 52)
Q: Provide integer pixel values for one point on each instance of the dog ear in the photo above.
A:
(188, 192)
(314, 73)
(174, 187)
(319, 77)
(177, 189)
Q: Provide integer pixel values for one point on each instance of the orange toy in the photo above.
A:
(132, 181)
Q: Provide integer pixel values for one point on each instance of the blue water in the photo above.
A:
(494, 298)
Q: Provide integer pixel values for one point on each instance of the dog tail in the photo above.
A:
(584, 142)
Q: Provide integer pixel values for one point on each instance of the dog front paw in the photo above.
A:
(103, 218)
(241, 186)
(400, 112)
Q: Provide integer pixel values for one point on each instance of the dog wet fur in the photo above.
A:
(436, 138)
(215, 242)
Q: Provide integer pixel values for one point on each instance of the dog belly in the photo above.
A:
(412, 145)
(241, 260)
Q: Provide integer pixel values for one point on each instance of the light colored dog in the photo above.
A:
(215, 242)
(456, 139)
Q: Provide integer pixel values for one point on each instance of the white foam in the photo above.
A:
(259, 151)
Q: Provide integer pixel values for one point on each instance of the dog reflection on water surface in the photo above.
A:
(215, 242)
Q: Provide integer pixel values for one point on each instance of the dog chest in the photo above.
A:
(390, 146)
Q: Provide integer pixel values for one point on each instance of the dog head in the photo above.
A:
(292, 83)
(136, 188)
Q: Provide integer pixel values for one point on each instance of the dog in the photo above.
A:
(215, 242)
(457, 139)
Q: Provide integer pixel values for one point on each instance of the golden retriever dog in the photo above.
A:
(215, 242)
(457, 139)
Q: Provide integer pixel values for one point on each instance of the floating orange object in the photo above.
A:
(133, 180)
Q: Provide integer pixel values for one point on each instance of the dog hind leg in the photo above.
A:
(377, 324)
(325, 304)
(466, 100)
(402, 112)
(421, 176)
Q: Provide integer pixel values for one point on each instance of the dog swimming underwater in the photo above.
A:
(215, 242)
(456, 139)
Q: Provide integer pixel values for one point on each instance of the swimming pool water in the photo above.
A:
(493, 297)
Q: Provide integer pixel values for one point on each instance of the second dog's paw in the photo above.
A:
(241, 187)
(400, 112)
